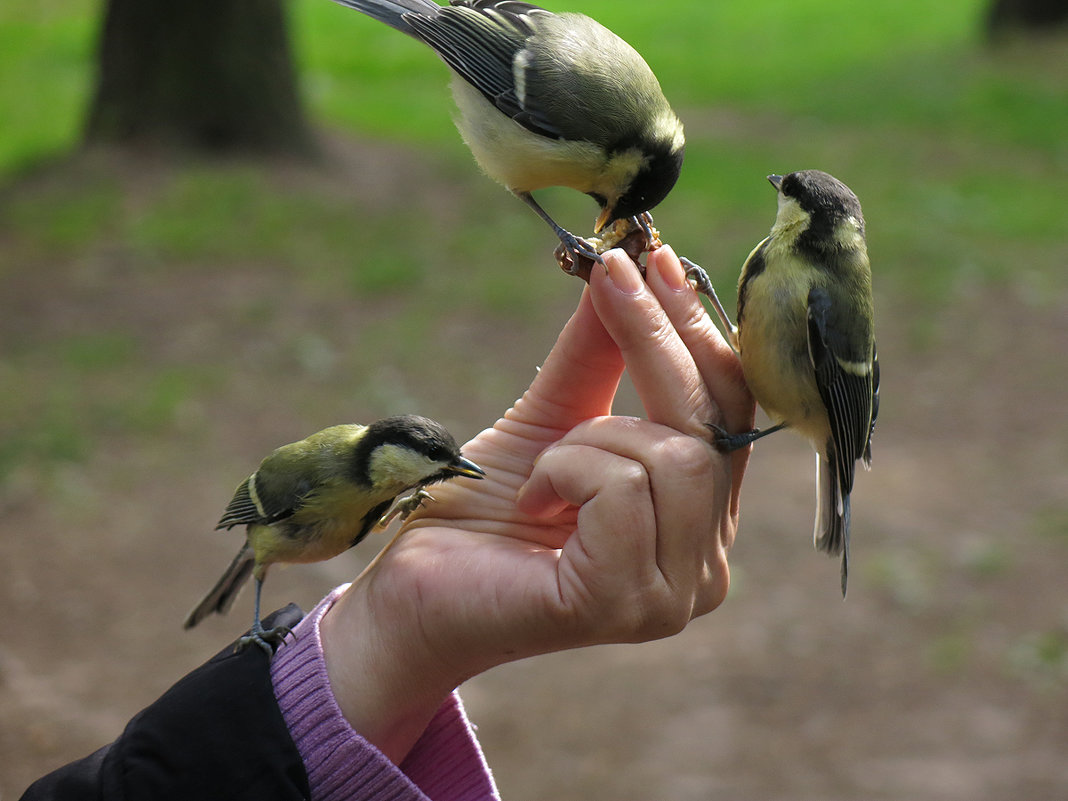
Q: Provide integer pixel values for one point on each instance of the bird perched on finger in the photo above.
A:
(311, 500)
(805, 335)
(551, 100)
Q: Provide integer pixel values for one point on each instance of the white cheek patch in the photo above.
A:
(394, 465)
(619, 172)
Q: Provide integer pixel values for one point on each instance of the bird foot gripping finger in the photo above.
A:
(652, 236)
(577, 263)
(703, 285)
(577, 251)
(405, 506)
(633, 235)
(699, 276)
(725, 442)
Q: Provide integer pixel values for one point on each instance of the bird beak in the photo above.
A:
(465, 467)
(603, 219)
(776, 181)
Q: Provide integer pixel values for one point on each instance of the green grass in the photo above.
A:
(45, 53)
(1041, 656)
(957, 151)
(770, 51)
(76, 388)
(950, 146)
(909, 61)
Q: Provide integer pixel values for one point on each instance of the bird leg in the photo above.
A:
(576, 247)
(703, 284)
(726, 442)
(645, 222)
(257, 634)
(405, 506)
(635, 236)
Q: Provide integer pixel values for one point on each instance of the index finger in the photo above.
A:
(578, 378)
(661, 367)
(718, 364)
(715, 360)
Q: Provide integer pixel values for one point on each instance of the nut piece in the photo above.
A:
(625, 233)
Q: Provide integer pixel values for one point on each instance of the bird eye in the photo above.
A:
(439, 454)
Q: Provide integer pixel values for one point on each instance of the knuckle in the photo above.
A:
(714, 587)
(665, 621)
(662, 612)
(631, 477)
(688, 458)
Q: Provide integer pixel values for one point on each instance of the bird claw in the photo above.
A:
(578, 248)
(652, 236)
(703, 285)
(634, 235)
(268, 639)
(725, 442)
(699, 276)
(405, 506)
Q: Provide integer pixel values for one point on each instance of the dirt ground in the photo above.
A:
(944, 676)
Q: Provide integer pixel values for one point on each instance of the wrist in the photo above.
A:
(385, 685)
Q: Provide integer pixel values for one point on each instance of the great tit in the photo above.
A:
(550, 100)
(311, 500)
(806, 339)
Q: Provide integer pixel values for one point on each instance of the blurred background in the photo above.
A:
(225, 225)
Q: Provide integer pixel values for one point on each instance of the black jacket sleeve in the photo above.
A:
(216, 734)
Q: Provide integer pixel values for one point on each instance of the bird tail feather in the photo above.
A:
(831, 533)
(391, 11)
(226, 589)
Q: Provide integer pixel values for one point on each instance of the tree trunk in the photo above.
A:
(1025, 16)
(203, 74)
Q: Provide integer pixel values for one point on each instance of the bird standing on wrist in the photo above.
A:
(551, 100)
(314, 499)
(806, 339)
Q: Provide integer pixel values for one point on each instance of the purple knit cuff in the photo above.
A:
(445, 764)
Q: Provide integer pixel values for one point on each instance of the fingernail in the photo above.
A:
(670, 268)
(623, 273)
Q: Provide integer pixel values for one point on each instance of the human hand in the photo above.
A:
(588, 527)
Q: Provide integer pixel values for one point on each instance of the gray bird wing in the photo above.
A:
(754, 265)
(392, 12)
(479, 40)
(846, 384)
(265, 497)
(874, 403)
